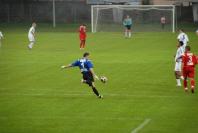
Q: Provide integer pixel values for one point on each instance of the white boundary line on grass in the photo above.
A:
(65, 117)
(86, 94)
(141, 126)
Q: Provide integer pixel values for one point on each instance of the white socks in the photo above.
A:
(128, 34)
(178, 82)
(31, 45)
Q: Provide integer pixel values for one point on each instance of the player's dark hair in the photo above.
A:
(86, 54)
(181, 43)
(188, 48)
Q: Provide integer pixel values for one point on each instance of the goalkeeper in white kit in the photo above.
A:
(31, 35)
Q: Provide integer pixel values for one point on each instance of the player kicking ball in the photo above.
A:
(189, 61)
(82, 36)
(178, 63)
(86, 68)
(31, 36)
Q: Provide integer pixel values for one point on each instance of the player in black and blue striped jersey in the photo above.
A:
(86, 68)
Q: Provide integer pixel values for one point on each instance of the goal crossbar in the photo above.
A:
(134, 7)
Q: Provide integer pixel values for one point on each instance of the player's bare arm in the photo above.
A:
(93, 73)
(67, 66)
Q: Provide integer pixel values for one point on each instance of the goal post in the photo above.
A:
(109, 18)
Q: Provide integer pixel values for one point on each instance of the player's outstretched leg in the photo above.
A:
(92, 85)
(95, 90)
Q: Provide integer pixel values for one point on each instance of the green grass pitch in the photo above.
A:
(36, 96)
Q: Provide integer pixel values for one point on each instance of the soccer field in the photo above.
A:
(36, 96)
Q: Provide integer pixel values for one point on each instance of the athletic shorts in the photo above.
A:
(188, 72)
(178, 66)
(31, 38)
(82, 37)
(88, 77)
(128, 27)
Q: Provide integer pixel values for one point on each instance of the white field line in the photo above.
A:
(141, 126)
(90, 94)
(65, 117)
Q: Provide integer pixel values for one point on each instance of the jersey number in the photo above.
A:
(190, 62)
(82, 64)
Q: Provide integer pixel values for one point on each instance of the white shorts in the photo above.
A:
(31, 38)
(178, 66)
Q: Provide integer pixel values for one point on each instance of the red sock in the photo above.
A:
(185, 83)
(192, 83)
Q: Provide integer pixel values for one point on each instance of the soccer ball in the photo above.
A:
(103, 79)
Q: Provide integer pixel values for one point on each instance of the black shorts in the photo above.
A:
(88, 77)
(128, 27)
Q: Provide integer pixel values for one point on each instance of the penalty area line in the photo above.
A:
(141, 126)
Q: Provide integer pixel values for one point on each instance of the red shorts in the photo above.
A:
(188, 72)
(82, 37)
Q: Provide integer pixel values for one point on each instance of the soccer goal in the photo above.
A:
(109, 18)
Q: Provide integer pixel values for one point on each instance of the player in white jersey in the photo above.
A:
(31, 35)
(1, 37)
(178, 62)
(197, 32)
(183, 37)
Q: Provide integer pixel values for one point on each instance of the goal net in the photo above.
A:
(109, 18)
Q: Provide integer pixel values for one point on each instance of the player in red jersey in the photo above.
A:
(188, 62)
(82, 35)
